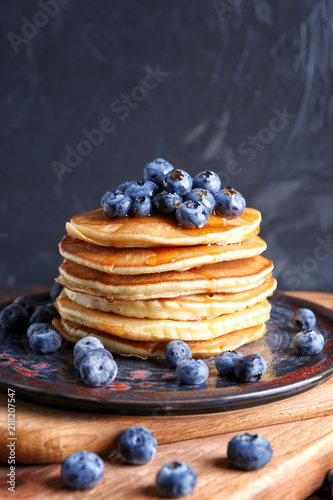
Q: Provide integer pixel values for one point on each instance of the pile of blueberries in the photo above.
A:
(172, 192)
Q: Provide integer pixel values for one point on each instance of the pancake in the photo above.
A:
(73, 332)
(161, 329)
(223, 277)
(155, 260)
(188, 307)
(95, 227)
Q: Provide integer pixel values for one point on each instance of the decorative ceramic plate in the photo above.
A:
(150, 387)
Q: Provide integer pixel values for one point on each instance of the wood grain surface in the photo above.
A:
(299, 429)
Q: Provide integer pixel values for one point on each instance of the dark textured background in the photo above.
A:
(231, 65)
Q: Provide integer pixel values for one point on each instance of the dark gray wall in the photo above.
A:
(245, 88)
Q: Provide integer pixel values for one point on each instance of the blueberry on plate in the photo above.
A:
(304, 319)
(55, 291)
(308, 343)
(192, 214)
(177, 181)
(14, 317)
(87, 350)
(176, 479)
(116, 204)
(43, 314)
(97, 369)
(225, 363)
(37, 326)
(90, 341)
(249, 451)
(229, 203)
(45, 340)
(124, 185)
(176, 351)
(250, 368)
(82, 470)
(207, 180)
(192, 371)
(142, 206)
(166, 203)
(142, 188)
(28, 303)
(52, 308)
(137, 445)
(203, 196)
(156, 170)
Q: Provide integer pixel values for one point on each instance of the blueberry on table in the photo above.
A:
(192, 371)
(55, 290)
(142, 188)
(27, 302)
(116, 204)
(192, 214)
(304, 319)
(308, 343)
(14, 317)
(176, 351)
(90, 341)
(249, 451)
(166, 203)
(142, 206)
(85, 351)
(203, 196)
(176, 479)
(177, 181)
(43, 314)
(97, 369)
(229, 203)
(45, 340)
(250, 368)
(225, 363)
(37, 326)
(82, 470)
(137, 445)
(156, 170)
(207, 180)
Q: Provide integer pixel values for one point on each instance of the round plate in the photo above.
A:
(150, 387)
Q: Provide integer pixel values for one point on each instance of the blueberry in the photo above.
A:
(116, 204)
(108, 194)
(123, 186)
(330, 481)
(304, 319)
(207, 180)
(28, 303)
(85, 351)
(43, 314)
(249, 451)
(308, 343)
(225, 362)
(176, 479)
(156, 170)
(229, 203)
(166, 203)
(14, 317)
(137, 445)
(192, 371)
(192, 214)
(176, 351)
(177, 181)
(82, 470)
(55, 291)
(98, 369)
(91, 342)
(142, 206)
(203, 196)
(142, 188)
(45, 340)
(52, 308)
(250, 368)
(37, 326)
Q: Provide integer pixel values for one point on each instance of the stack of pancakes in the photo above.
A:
(139, 282)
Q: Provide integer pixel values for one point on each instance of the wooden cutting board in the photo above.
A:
(299, 429)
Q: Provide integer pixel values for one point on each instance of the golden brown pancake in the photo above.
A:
(95, 227)
(161, 329)
(188, 307)
(224, 277)
(201, 349)
(155, 260)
